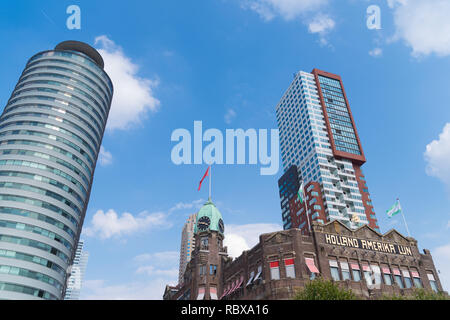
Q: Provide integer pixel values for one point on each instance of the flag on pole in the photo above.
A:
(395, 209)
(204, 176)
(300, 194)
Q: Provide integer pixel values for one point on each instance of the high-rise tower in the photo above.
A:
(77, 272)
(319, 136)
(51, 130)
(187, 245)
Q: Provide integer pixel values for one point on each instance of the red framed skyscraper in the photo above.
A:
(318, 135)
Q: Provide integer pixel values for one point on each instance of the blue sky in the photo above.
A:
(227, 63)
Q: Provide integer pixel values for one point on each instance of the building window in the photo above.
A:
(367, 273)
(416, 279)
(290, 268)
(345, 270)
(355, 271)
(432, 280)
(275, 270)
(398, 278)
(202, 270)
(376, 273)
(334, 270)
(212, 269)
(204, 243)
(387, 275)
(407, 277)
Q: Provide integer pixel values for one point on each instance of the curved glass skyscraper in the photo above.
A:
(50, 135)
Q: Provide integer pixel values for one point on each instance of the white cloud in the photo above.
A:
(423, 25)
(307, 10)
(321, 24)
(239, 238)
(287, 9)
(441, 257)
(376, 52)
(229, 116)
(133, 95)
(110, 224)
(160, 258)
(437, 156)
(138, 290)
(155, 269)
(196, 204)
(105, 157)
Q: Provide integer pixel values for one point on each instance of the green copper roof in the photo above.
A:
(209, 210)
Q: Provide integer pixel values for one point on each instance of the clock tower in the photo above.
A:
(209, 255)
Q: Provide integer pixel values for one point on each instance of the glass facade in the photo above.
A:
(306, 144)
(50, 135)
(340, 122)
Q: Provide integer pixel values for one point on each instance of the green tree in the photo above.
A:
(320, 289)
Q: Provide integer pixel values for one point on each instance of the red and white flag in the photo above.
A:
(204, 176)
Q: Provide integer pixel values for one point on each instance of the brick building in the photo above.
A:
(368, 262)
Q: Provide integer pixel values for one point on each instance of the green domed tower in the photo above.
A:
(204, 271)
(209, 218)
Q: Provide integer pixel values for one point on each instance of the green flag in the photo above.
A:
(395, 209)
(300, 194)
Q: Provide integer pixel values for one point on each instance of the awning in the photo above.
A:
(365, 267)
(375, 269)
(415, 274)
(354, 266)
(237, 286)
(289, 262)
(333, 263)
(224, 293)
(250, 280)
(386, 270)
(213, 293)
(430, 277)
(258, 276)
(274, 264)
(344, 266)
(233, 287)
(406, 274)
(201, 293)
(311, 266)
(396, 272)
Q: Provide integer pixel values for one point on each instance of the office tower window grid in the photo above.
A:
(305, 142)
(187, 245)
(50, 135)
(340, 122)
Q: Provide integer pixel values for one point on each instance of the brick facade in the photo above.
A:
(287, 251)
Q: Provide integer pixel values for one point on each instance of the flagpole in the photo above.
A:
(404, 220)
(210, 175)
